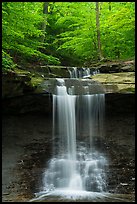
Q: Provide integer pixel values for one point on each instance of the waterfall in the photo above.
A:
(76, 165)
(82, 72)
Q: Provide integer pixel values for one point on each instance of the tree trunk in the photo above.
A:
(100, 57)
(109, 6)
(45, 12)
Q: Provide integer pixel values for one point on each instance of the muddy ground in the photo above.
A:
(27, 147)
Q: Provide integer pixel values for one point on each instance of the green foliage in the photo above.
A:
(118, 27)
(7, 62)
(75, 27)
(76, 38)
(70, 35)
(21, 31)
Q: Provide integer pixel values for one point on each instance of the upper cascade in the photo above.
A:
(76, 72)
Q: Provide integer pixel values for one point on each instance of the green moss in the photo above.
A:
(60, 72)
(35, 81)
(128, 90)
(20, 71)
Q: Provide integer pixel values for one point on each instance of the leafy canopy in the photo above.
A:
(76, 36)
(21, 30)
(71, 34)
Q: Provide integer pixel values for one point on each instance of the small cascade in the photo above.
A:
(82, 72)
(75, 165)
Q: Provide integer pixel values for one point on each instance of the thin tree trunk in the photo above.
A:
(109, 6)
(98, 31)
(44, 24)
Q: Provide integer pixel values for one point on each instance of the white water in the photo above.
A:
(82, 72)
(76, 166)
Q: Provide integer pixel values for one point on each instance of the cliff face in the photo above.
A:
(31, 89)
(116, 77)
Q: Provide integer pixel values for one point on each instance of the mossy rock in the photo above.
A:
(60, 72)
(128, 90)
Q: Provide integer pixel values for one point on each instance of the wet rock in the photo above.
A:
(40, 103)
(14, 84)
(113, 67)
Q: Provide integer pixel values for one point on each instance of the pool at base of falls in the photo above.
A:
(67, 195)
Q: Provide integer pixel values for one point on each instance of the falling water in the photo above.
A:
(76, 166)
(82, 72)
